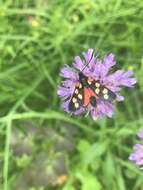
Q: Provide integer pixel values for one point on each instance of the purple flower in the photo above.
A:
(97, 70)
(137, 155)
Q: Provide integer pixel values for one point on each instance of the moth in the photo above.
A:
(87, 91)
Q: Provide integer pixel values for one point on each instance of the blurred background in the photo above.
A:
(41, 146)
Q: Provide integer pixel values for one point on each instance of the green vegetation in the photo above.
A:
(42, 147)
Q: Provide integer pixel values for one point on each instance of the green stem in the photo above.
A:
(6, 155)
(50, 114)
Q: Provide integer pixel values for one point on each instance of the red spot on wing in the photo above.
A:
(90, 79)
(87, 94)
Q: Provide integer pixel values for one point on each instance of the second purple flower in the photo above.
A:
(137, 155)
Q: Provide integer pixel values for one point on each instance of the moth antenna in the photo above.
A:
(90, 60)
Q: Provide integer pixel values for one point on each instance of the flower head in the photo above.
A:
(93, 71)
(137, 155)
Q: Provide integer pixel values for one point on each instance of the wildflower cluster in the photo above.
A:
(98, 89)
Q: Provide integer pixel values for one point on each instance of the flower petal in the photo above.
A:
(63, 92)
(78, 63)
(140, 161)
(132, 157)
(68, 83)
(79, 111)
(137, 147)
(109, 61)
(66, 106)
(67, 72)
(119, 98)
(129, 82)
(120, 78)
(88, 55)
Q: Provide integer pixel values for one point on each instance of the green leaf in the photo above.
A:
(95, 151)
(91, 183)
(120, 180)
(68, 186)
(83, 146)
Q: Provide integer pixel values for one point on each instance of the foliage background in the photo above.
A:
(41, 147)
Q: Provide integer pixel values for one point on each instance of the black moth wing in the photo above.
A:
(77, 99)
(102, 92)
(110, 96)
